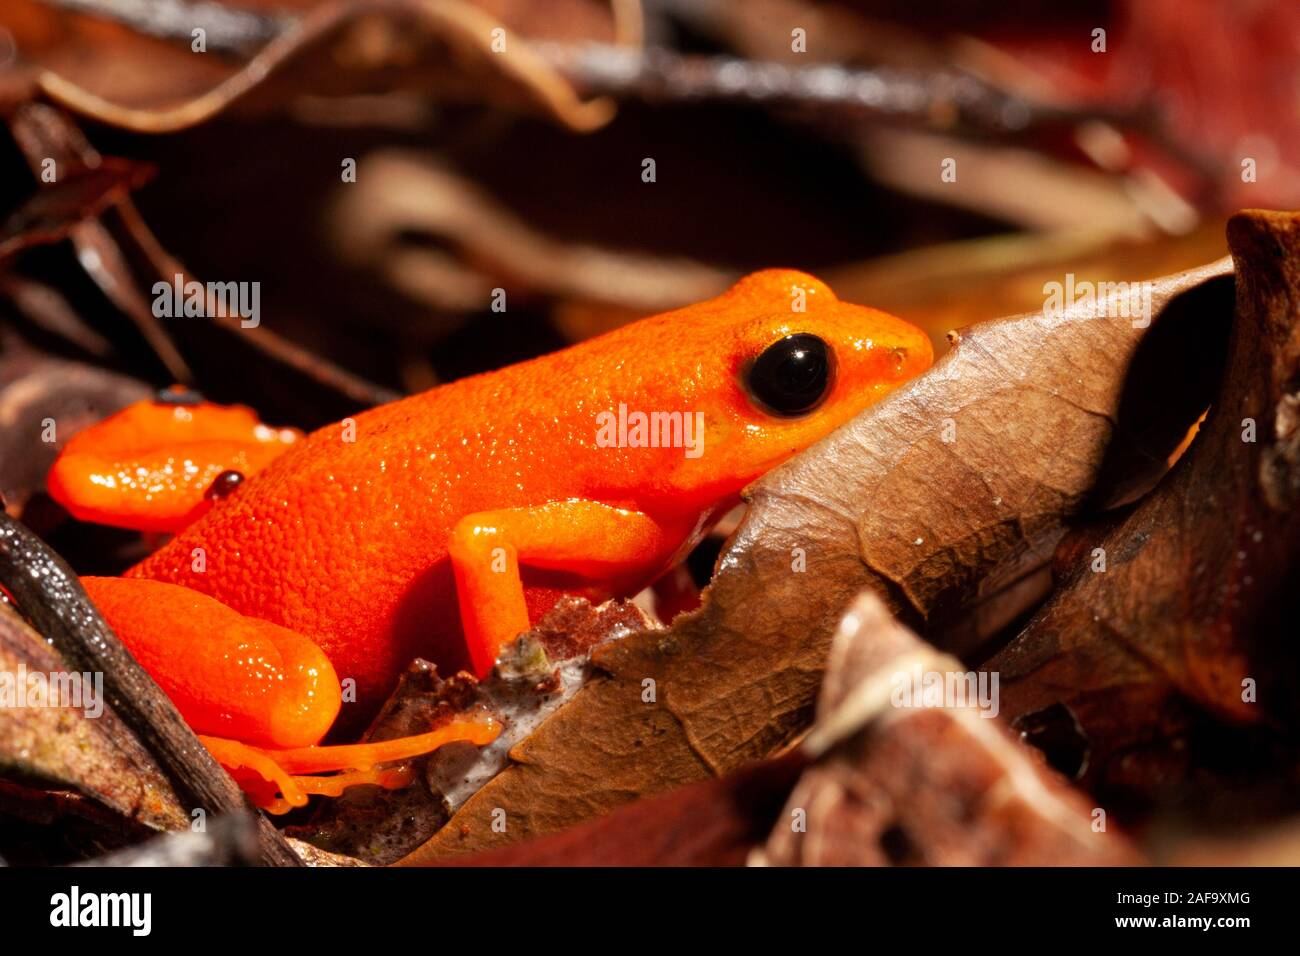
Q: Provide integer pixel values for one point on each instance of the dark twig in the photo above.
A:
(52, 598)
(887, 91)
(227, 30)
(935, 98)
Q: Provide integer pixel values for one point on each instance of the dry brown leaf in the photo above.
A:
(1195, 599)
(884, 504)
(943, 785)
(716, 822)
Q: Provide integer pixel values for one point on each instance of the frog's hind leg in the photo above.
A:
(159, 465)
(260, 695)
(229, 675)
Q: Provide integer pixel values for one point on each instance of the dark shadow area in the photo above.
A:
(1174, 377)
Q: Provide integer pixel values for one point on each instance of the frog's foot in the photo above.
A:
(280, 780)
(159, 465)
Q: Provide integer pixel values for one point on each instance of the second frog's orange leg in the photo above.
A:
(588, 538)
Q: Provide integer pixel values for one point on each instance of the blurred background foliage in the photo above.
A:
(1107, 139)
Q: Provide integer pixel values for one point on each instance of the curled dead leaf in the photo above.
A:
(1176, 610)
(715, 822)
(916, 783)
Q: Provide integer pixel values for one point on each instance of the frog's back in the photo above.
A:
(344, 538)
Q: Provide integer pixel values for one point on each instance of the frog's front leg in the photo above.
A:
(586, 538)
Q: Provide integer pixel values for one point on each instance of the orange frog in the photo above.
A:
(441, 525)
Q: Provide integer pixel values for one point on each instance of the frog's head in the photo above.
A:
(779, 362)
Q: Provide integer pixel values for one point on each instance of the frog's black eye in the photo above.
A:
(792, 376)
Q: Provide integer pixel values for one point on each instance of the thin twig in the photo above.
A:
(659, 73)
(43, 132)
(318, 369)
(933, 98)
(227, 30)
